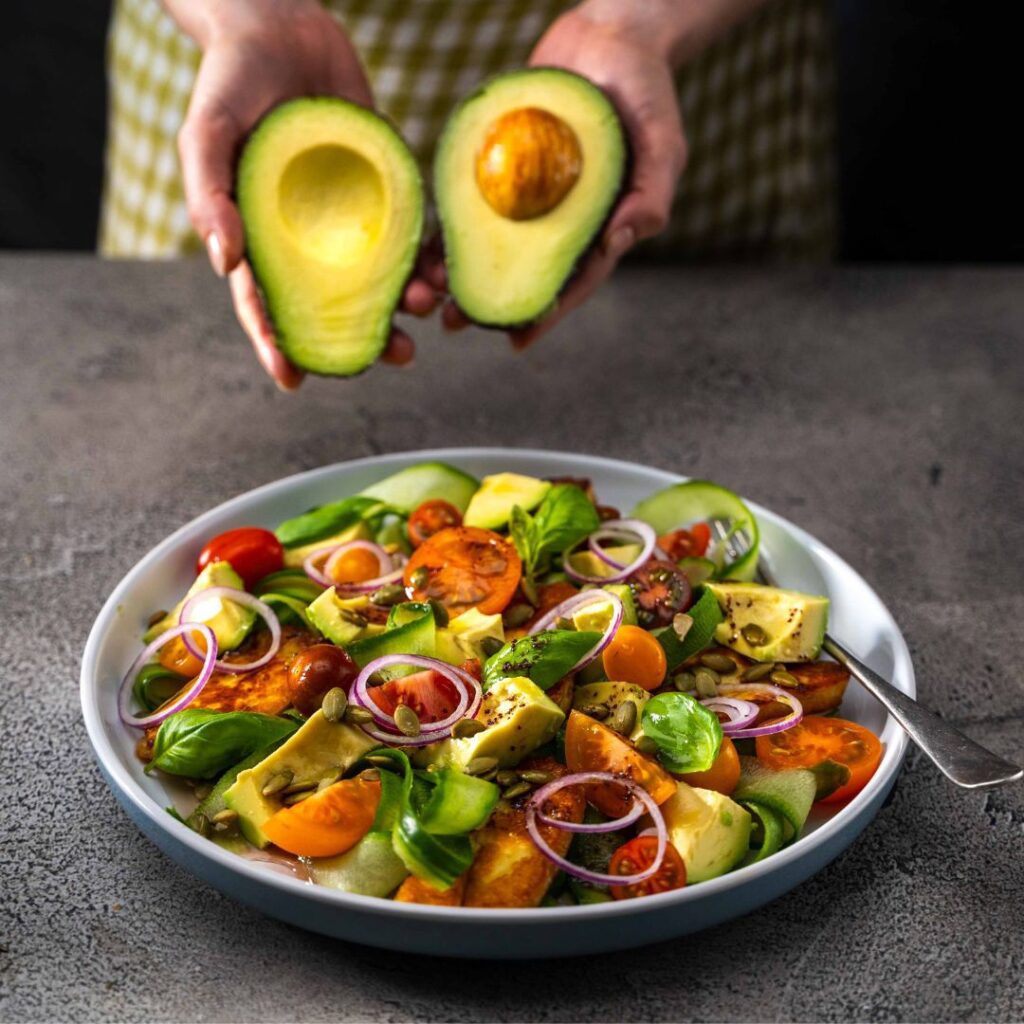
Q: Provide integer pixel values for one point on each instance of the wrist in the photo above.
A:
(207, 21)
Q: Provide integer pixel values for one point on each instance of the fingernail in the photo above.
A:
(216, 253)
(621, 241)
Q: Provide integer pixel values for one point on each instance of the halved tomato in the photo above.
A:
(633, 857)
(724, 774)
(660, 591)
(428, 693)
(252, 552)
(691, 543)
(593, 747)
(431, 517)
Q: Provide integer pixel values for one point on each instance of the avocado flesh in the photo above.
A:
(332, 204)
(503, 272)
(315, 751)
(710, 831)
(587, 563)
(464, 636)
(327, 613)
(491, 506)
(793, 622)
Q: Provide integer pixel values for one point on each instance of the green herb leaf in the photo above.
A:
(329, 519)
(688, 735)
(564, 518)
(201, 743)
(706, 615)
(544, 658)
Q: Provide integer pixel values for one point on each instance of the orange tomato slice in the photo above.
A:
(724, 774)
(593, 747)
(635, 656)
(464, 567)
(326, 823)
(817, 739)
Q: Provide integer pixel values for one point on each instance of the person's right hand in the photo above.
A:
(257, 54)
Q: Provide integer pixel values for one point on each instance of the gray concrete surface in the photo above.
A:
(881, 409)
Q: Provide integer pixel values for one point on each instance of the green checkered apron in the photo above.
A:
(757, 107)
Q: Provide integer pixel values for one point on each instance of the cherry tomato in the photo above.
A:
(631, 858)
(691, 543)
(356, 566)
(428, 693)
(252, 552)
(660, 591)
(816, 739)
(431, 517)
(635, 656)
(316, 670)
(724, 774)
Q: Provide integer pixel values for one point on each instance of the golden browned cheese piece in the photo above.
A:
(509, 870)
(529, 161)
(561, 693)
(265, 690)
(415, 890)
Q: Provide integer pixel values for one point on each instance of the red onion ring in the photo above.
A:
(246, 600)
(390, 567)
(541, 796)
(470, 698)
(633, 814)
(177, 703)
(740, 713)
(647, 536)
(779, 725)
(618, 529)
(574, 603)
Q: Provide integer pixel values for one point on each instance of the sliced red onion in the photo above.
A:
(632, 815)
(261, 608)
(617, 528)
(389, 567)
(542, 795)
(187, 696)
(739, 713)
(470, 698)
(573, 604)
(779, 724)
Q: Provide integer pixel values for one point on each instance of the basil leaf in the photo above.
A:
(706, 615)
(520, 529)
(565, 517)
(201, 743)
(543, 658)
(329, 519)
(688, 735)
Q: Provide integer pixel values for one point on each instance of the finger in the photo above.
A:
(452, 318)
(419, 298)
(253, 318)
(400, 349)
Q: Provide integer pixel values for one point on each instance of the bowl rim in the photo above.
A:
(893, 737)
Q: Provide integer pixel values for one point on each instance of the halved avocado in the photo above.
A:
(332, 203)
(526, 172)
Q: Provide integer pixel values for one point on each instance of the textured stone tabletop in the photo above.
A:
(883, 410)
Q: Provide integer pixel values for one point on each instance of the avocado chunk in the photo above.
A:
(710, 831)
(370, 868)
(587, 563)
(338, 618)
(526, 172)
(332, 204)
(519, 717)
(491, 506)
(230, 622)
(611, 695)
(467, 636)
(318, 750)
(770, 624)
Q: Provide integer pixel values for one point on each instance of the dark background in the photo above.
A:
(928, 94)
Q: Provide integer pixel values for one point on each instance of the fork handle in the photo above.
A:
(960, 759)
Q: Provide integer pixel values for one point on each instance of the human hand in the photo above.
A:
(630, 60)
(257, 54)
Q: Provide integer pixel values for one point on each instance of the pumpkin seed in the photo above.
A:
(759, 671)
(682, 624)
(685, 681)
(370, 774)
(389, 594)
(305, 786)
(277, 782)
(646, 745)
(440, 613)
(481, 765)
(381, 760)
(357, 716)
(536, 775)
(754, 635)
(719, 663)
(156, 617)
(296, 798)
(329, 779)
(407, 720)
(782, 678)
(227, 816)
(563, 623)
(465, 727)
(201, 824)
(598, 711)
(517, 790)
(490, 776)
(334, 704)
(516, 615)
(490, 645)
(507, 777)
(624, 719)
(353, 618)
(419, 577)
(706, 681)
(203, 790)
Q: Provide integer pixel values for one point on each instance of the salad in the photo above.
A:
(496, 693)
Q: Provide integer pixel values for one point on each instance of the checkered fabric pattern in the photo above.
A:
(757, 107)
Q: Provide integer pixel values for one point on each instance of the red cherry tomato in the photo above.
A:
(428, 693)
(638, 854)
(431, 517)
(691, 543)
(252, 552)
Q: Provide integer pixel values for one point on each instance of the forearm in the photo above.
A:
(204, 20)
(679, 30)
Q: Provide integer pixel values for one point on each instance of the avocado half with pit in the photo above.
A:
(332, 204)
(526, 173)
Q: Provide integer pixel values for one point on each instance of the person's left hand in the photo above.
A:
(631, 64)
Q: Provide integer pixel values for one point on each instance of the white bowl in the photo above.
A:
(858, 618)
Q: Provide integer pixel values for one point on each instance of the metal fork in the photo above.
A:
(959, 758)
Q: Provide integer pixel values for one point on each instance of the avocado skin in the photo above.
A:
(594, 241)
